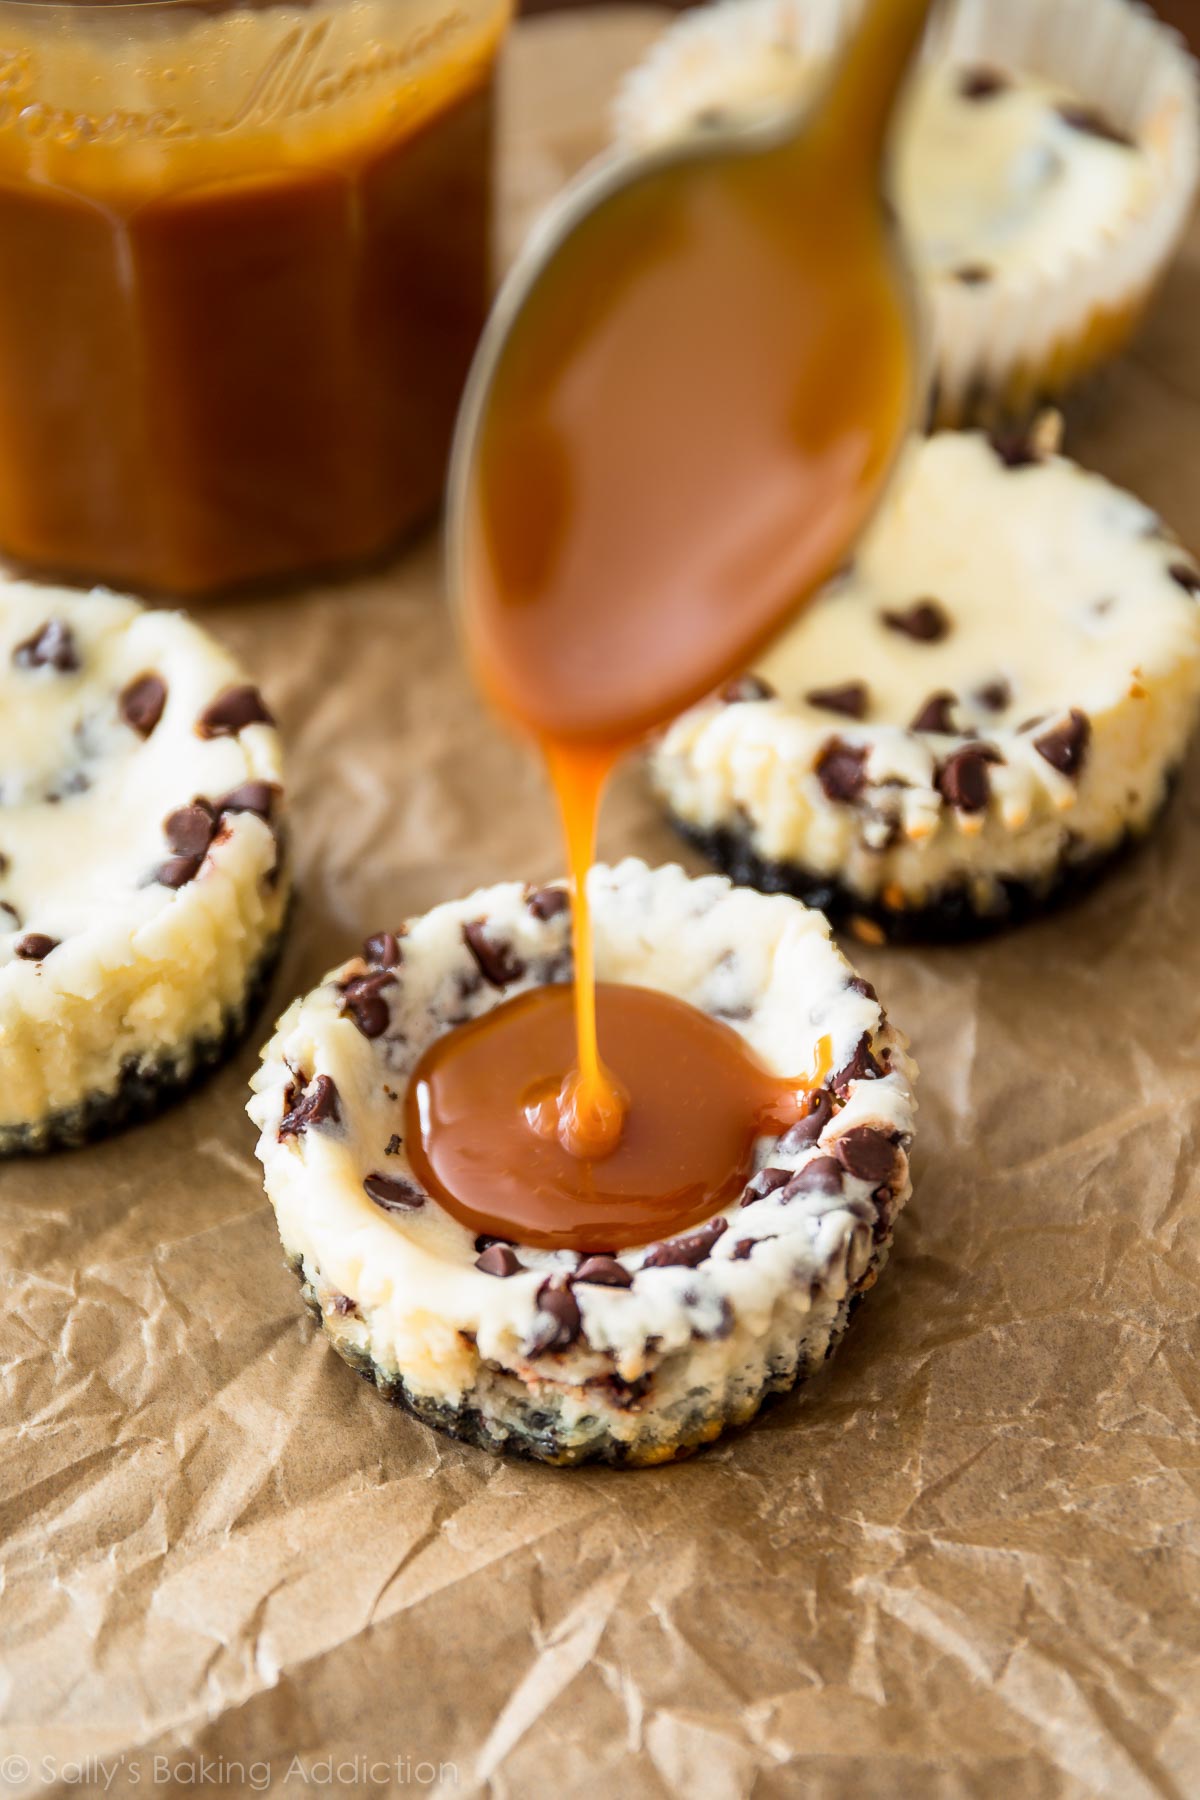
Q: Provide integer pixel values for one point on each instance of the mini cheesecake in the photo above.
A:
(143, 880)
(970, 722)
(633, 1357)
(1043, 167)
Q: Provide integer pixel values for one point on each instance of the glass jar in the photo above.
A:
(244, 260)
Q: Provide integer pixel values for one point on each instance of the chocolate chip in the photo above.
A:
(841, 771)
(1093, 123)
(982, 83)
(546, 903)
(141, 703)
(936, 715)
(177, 871)
(973, 274)
(1015, 450)
(382, 950)
(686, 1252)
(764, 1183)
(745, 689)
(231, 712)
(498, 1259)
(604, 1271)
(851, 699)
(313, 1105)
(1186, 577)
(963, 780)
(392, 1147)
(52, 646)
(994, 695)
(867, 1154)
(496, 962)
(344, 1305)
(562, 1321)
(821, 1176)
(35, 947)
(1065, 748)
(744, 1248)
(393, 1193)
(861, 1067)
(924, 621)
(257, 797)
(362, 1001)
(190, 829)
(808, 1129)
(858, 984)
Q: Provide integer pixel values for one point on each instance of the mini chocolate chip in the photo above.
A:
(858, 984)
(973, 274)
(821, 1176)
(35, 947)
(604, 1271)
(936, 715)
(344, 1305)
(392, 1147)
(686, 1252)
(963, 780)
(562, 1323)
(362, 1001)
(808, 1129)
(982, 83)
(1186, 577)
(851, 698)
(764, 1183)
(257, 797)
(841, 771)
(190, 829)
(496, 962)
(924, 621)
(498, 1259)
(232, 711)
(177, 871)
(141, 703)
(1065, 748)
(745, 689)
(548, 902)
(313, 1105)
(393, 1193)
(1015, 450)
(52, 646)
(744, 1248)
(994, 695)
(382, 950)
(1093, 123)
(867, 1154)
(861, 1067)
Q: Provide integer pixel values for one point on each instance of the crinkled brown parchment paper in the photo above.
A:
(965, 1562)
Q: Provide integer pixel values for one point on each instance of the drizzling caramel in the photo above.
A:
(693, 418)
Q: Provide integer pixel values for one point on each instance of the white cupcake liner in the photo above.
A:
(999, 348)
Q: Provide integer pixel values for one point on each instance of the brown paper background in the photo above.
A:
(964, 1562)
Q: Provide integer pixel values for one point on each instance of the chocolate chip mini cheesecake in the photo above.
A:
(1043, 171)
(969, 723)
(143, 885)
(632, 1357)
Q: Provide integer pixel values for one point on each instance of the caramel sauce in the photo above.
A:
(236, 316)
(693, 419)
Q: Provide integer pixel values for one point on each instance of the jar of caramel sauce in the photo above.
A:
(244, 260)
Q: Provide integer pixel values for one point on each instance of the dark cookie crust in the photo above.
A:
(537, 1439)
(148, 1088)
(949, 918)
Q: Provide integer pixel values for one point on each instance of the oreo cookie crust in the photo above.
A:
(143, 876)
(635, 1358)
(973, 721)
